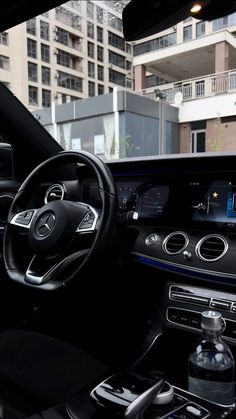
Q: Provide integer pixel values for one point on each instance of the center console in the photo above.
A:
(147, 394)
(155, 387)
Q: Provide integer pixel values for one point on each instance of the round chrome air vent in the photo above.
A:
(175, 242)
(56, 192)
(211, 248)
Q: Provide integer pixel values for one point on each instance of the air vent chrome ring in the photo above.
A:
(211, 242)
(54, 192)
(180, 236)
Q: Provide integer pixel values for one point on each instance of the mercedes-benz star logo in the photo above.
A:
(45, 225)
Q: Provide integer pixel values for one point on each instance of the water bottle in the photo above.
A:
(211, 364)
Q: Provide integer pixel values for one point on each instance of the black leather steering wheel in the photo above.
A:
(57, 230)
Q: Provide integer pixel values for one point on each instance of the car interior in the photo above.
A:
(106, 267)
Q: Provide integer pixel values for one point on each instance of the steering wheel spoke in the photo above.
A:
(24, 218)
(89, 222)
(42, 269)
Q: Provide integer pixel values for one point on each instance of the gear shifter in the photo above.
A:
(129, 393)
(137, 408)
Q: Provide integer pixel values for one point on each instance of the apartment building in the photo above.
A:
(192, 65)
(72, 52)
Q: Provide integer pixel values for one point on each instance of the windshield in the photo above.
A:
(173, 92)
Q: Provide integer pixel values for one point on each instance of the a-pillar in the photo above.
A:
(139, 77)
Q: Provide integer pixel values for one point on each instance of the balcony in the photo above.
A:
(197, 88)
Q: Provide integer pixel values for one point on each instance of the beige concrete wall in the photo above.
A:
(184, 134)
(221, 57)
(220, 135)
(139, 77)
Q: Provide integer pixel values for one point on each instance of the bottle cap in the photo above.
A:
(212, 320)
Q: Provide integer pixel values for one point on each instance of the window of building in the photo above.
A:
(100, 53)
(91, 88)
(69, 18)
(46, 75)
(116, 59)
(4, 38)
(154, 80)
(63, 97)
(200, 29)
(63, 58)
(115, 22)
(31, 26)
(129, 83)
(155, 44)
(90, 9)
(32, 72)
(76, 5)
(4, 62)
(116, 41)
(44, 30)
(62, 36)
(128, 65)
(99, 13)
(116, 77)
(100, 89)
(100, 72)
(187, 34)
(224, 22)
(99, 34)
(90, 29)
(46, 98)
(68, 60)
(31, 48)
(128, 48)
(110, 89)
(45, 53)
(91, 69)
(198, 141)
(69, 81)
(90, 49)
(33, 95)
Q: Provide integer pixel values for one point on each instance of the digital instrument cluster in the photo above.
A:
(184, 201)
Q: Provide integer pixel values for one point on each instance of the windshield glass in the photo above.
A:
(173, 92)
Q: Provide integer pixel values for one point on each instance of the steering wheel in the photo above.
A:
(59, 231)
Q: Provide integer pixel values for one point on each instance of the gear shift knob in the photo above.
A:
(137, 408)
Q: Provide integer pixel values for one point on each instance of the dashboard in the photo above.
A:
(185, 211)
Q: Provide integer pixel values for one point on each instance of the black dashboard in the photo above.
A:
(185, 213)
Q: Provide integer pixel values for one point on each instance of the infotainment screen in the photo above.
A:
(213, 202)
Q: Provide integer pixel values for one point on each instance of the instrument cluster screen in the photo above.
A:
(181, 201)
(213, 202)
(152, 200)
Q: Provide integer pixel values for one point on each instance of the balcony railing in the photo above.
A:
(201, 87)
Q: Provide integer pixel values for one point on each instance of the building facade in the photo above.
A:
(192, 65)
(72, 52)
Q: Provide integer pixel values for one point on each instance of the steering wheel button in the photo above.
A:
(28, 215)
